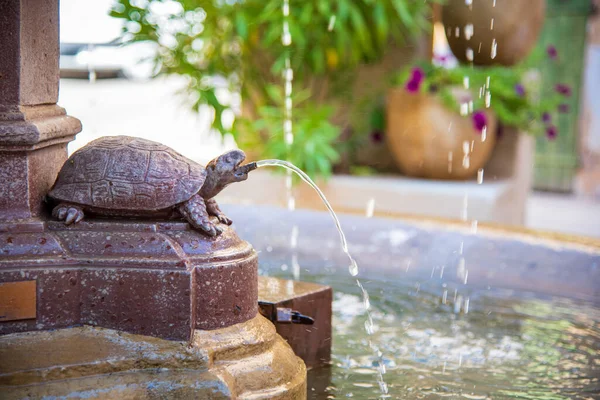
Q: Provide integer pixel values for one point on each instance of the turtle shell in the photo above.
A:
(127, 173)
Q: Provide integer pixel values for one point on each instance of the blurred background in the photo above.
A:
(466, 111)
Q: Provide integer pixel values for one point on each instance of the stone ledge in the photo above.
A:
(96, 362)
(33, 127)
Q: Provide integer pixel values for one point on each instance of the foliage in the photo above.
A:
(237, 46)
(513, 93)
(312, 149)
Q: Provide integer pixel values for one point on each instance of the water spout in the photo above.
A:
(244, 169)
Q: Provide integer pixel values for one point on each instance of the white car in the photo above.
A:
(108, 60)
(91, 46)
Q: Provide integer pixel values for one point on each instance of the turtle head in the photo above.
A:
(226, 169)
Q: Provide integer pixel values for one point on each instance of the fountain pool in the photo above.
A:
(525, 325)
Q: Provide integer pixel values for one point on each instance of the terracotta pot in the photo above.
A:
(430, 141)
(514, 25)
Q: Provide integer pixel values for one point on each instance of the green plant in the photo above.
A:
(240, 43)
(312, 149)
(513, 93)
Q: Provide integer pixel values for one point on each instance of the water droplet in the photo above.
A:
(494, 49)
(466, 161)
(331, 23)
(469, 54)
(286, 37)
(488, 99)
(353, 268)
(289, 138)
(370, 207)
(474, 226)
(468, 2)
(295, 267)
(286, 8)
(480, 176)
(466, 307)
(291, 203)
(457, 306)
(457, 32)
(492, 24)
(484, 133)
(466, 82)
(464, 109)
(294, 237)
(468, 31)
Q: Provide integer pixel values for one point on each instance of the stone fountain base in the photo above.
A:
(248, 360)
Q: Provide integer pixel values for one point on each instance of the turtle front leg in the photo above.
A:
(213, 209)
(69, 213)
(194, 211)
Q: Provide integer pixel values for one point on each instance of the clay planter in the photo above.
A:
(514, 25)
(430, 141)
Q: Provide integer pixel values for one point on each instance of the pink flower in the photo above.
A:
(563, 89)
(551, 132)
(552, 52)
(414, 82)
(479, 121)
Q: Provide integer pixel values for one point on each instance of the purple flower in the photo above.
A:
(551, 132)
(520, 90)
(479, 121)
(416, 78)
(563, 89)
(417, 74)
(546, 117)
(552, 52)
(563, 108)
(376, 137)
(413, 86)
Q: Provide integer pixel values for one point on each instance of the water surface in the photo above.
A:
(482, 344)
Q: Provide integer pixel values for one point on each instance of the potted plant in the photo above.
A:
(442, 123)
(487, 32)
(238, 48)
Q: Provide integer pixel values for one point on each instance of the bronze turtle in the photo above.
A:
(125, 176)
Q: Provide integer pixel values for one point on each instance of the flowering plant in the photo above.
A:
(513, 93)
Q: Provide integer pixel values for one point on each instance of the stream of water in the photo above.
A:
(353, 267)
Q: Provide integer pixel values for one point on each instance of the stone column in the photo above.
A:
(34, 130)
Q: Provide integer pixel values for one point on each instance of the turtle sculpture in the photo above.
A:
(123, 176)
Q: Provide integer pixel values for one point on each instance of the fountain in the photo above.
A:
(119, 308)
(159, 308)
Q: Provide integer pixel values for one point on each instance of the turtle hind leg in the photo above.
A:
(194, 211)
(69, 213)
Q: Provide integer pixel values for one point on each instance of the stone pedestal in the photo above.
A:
(34, 131)
(154, 296)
